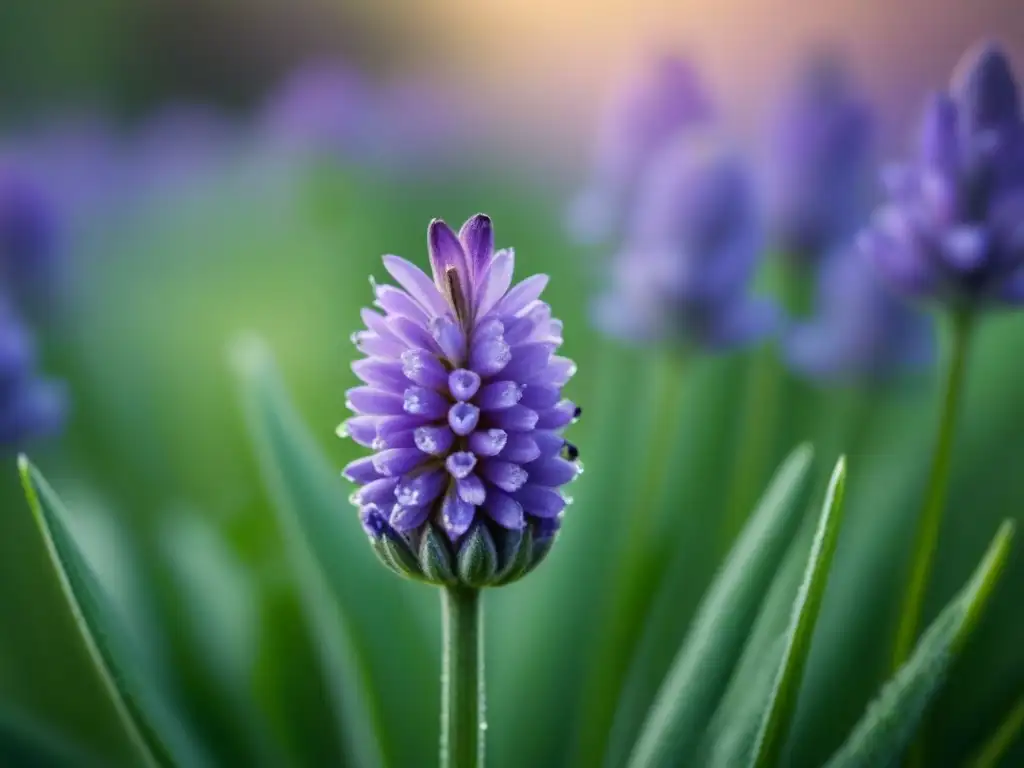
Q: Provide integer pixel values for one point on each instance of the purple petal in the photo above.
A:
(423, 368)
(489, 442)
(382, 374)
(446, 253)
(463, 418)
(490, 356)
(394, 439)
(539, 397)
(367, 400)
(463, 384)
(517, 299)
(374, 522)
(397, 461)
(456, 515)
(527, 360)
(450, 338)
(540, 501)
(550, 443)
(518, 418)
(419, 286)
(420, 401)
(362, 429)
(413, 334)
(477, 236)
(420, 490)
(495, 281)
(460, 464)
(436, 441)
(471, 490)
(389, 426)
(377, 323)
(397, 302)
(557, 373)
(521, 448)
(361, 471)
(408, 518)
(505, 474)
(552, 472)
(504, 510)
(966, 248)
(377, 492)
(498, 395)
(370, 343)
(559, 416)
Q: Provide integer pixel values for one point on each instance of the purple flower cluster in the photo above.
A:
(462, 406)
(650, 111)
(818, 163)
(30, 407)
(860, 330)
(953, 230)
(691, 252)
(28, 232)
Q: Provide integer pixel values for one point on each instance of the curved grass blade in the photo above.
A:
(730, 737)
(1009, 730)
(156, 732)
(381, 657)
(891, 721)
(701, 670)
(774, 729)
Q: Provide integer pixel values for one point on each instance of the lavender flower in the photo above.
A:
(28, 232)
(819, 160)
(691, 253)
(462, 406)
(953, 231)
(30, 407)
(860, 330)
(658, 104)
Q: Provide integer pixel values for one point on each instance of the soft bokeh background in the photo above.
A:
(187, 211)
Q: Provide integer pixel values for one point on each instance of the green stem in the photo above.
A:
(927, 535)
(463, 723)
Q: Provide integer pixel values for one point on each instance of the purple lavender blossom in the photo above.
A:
(30, 407)
(818, 166)
(860, 329)
(691, 252)
(654, 107)
(329, 108)
(952, 231)
(28, 232)
(463, 409)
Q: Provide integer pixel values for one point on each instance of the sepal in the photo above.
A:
(478, 558)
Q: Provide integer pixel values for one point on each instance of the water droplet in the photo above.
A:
(579, 468)
(342, 430)
(569, 500)
(483, 726)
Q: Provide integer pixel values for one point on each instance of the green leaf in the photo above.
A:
(1009, 730)
(702, 667)
(381, 656)
(28, 744)
(775, 726)
(154, 729)
(892, 720)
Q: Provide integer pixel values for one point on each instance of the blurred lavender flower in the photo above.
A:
(818, 163)
(655, 106)
(30, 407)
(690, 254)
(330, 108)
(860, 330)
(462, 405)
(28, 232)
(954, 228)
